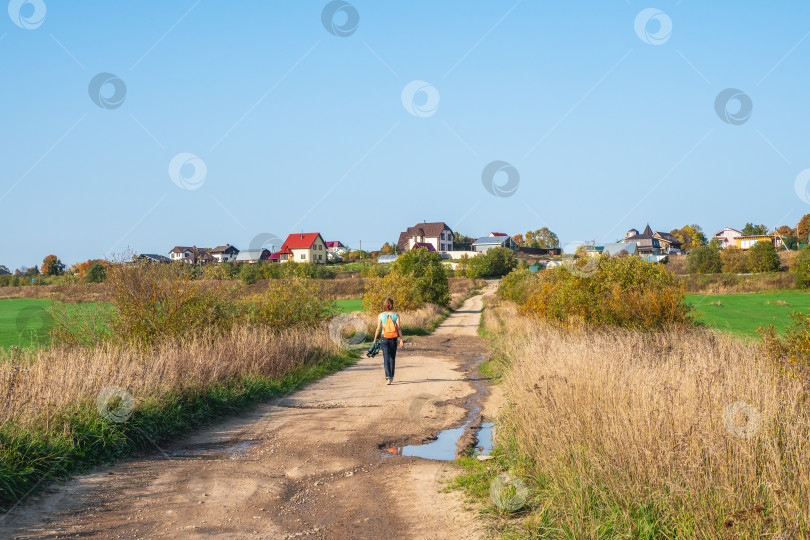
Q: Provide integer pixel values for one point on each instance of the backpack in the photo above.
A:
(389, 327)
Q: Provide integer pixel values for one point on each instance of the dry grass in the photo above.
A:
(734, 283)
(39, 383)
(634, 434)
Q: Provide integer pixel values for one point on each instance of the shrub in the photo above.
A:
(494, 263)
(250, 273)
(703, 260)
(429, 274)
(801, 268)
(626, 292)
(734, 260)
(289, 303)
(154, 301)
(96, 273)
(402, 289)
(762, 257)
(518, 285)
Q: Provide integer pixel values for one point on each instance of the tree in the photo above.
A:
(428, 273)
(754, 230)
(518, 238)
(386, 249)
(496, 262)
(735, 260)
(542, 238)
(462, 242)
(802, 268)
(762, 257)
(695, 235)
(703, 260)
(716, 243)
(52, 266)
(803, 229)
(96, 273)
(788, 235)
(355, 255)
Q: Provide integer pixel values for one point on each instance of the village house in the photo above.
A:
(282, 255)
(728, 237)
(253, 256)
(745, 242)
(485, 243)
(438, 234)
(336, 247)
(224, 253)
(646, 242)
(306, 247)
(191, 255)
(152, 258)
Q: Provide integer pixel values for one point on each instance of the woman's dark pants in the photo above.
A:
(389, 350)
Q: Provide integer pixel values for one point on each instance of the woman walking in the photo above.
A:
(388, 322)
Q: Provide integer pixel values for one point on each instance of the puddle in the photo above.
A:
(444, 447)
(238, 450)
(485, 438)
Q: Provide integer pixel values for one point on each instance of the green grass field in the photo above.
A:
(742, 314)
(350, 305)
(24, 322)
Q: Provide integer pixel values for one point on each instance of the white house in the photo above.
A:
(436, 233)
(224, 253)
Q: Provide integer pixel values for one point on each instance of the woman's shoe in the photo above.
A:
(389, 381)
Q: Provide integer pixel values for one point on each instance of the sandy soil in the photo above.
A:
(310, 465)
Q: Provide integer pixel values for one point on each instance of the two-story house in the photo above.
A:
(306, 247)
(437, 233)
(224, 253)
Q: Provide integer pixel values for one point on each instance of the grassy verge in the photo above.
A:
(613, 433)
(742, 314)
(33, 457)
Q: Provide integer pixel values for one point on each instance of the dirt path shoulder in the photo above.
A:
(310, 465)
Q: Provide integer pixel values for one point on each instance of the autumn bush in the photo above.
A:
(734, 260)
(518, 285)
(403, 290)
(623, 291)
(494, 263)
(762, 257)
(703, 260)
(288, 303)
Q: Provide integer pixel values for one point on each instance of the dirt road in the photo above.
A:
(311, 465)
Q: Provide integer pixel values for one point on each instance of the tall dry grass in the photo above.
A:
(736, 283)
(635, 434)
(43, 382)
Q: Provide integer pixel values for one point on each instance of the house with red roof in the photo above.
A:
(305, 247)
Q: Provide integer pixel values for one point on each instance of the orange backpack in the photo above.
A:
(389, 328)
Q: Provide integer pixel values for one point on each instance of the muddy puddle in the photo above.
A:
(444, 447)
(223, 451)
(447, 444)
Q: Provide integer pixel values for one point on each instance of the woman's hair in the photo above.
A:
(388, 304)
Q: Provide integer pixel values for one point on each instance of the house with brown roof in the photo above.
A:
(646, 242)
(224, 253)
(191, 255)
(306, 247)
(435, 233)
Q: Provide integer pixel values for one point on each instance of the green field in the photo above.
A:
(24, 322)
(742, 314)
(350, 305)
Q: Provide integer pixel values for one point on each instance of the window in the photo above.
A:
(303, 256)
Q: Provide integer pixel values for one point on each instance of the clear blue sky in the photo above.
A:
(301, 129)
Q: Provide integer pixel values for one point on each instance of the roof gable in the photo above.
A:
(301, 240)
